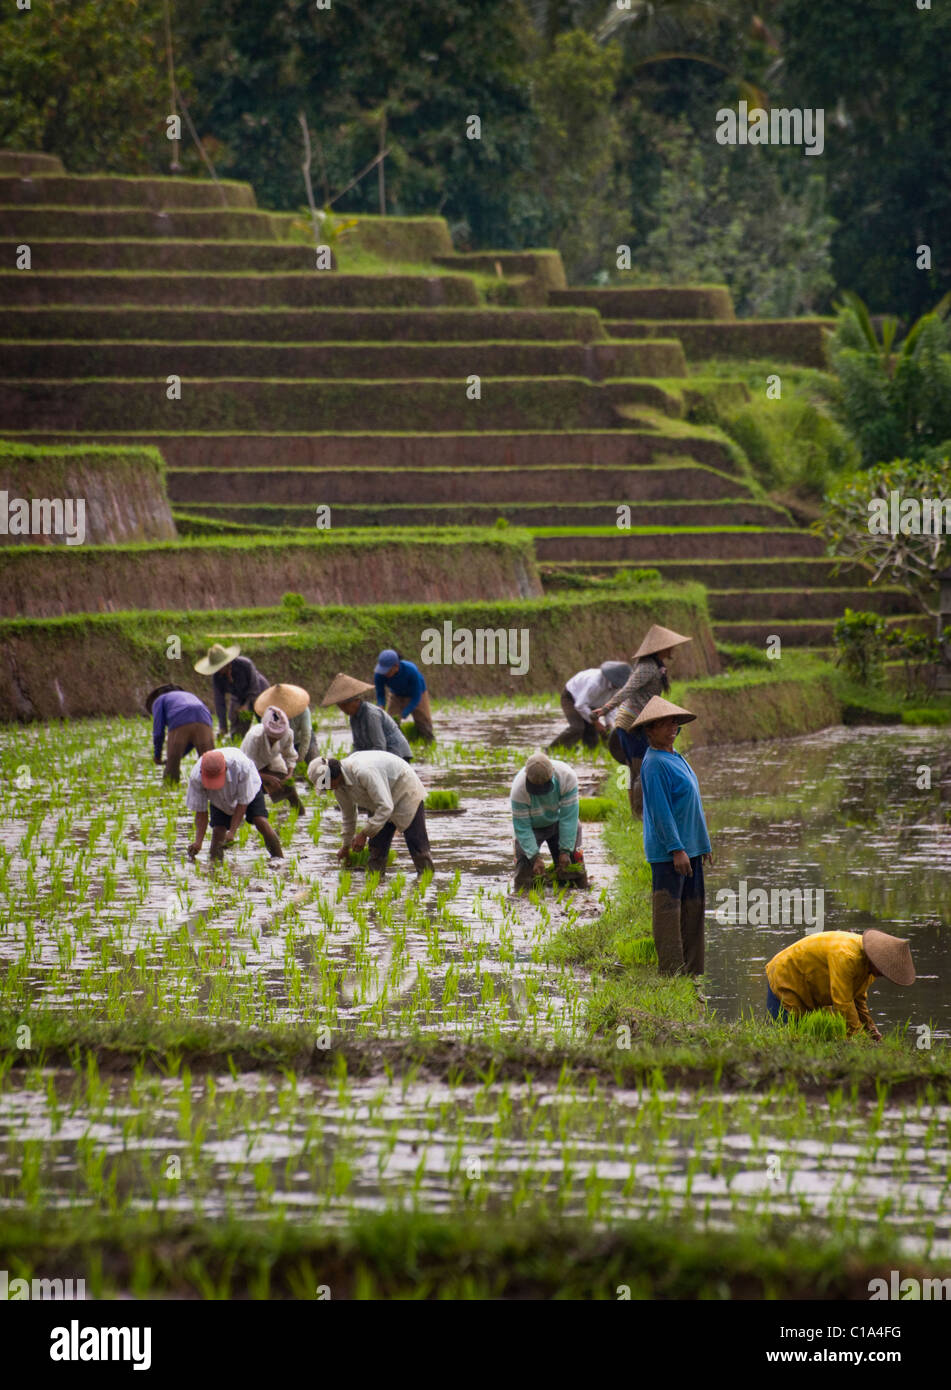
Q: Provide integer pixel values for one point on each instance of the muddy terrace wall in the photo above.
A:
(224, 572)
(755, 706)
(123, 488)
(92, 665)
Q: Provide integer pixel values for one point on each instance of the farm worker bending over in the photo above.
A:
(389, 789)
(408, 693)
(833, 970)
(544, 810)
(237, 683)
(270, 746)
(294, 700)
(583, 694)
(676, 841)
(228, 779)
(188, 721)
(370, 726)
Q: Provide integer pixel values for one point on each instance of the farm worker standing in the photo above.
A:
(370, 725)
(237, 683)
(228, 779)
(676, 841)
(833, 970)
(648, 678)
(294, 700)
(270, 746)
(188, 721)
(389, 789)
(583, 695)
(544, 799)
(408, 693)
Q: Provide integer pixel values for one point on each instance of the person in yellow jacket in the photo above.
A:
(833, 970)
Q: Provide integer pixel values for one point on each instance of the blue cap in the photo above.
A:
(386, 661)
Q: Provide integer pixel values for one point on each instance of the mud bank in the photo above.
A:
(105, 664)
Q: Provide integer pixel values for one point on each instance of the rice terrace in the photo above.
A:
(478, 783)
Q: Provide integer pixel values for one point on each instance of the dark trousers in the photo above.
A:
(678, 905)
(579, 729)
(775, 1006)
(417, 842)
(181, 741)
(544, 835)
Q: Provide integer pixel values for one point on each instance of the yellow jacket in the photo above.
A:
(826, 970)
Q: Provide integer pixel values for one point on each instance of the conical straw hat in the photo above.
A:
(659, 708)
(292, 699)
(660, 639)
(217, 657)
(346, 688)
(890, 955)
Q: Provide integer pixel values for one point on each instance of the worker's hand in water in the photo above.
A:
(538, 865)
(344, 853)
(359, 841)
(193, 850)
(564, 859)
(682, 863)
(875, 1035)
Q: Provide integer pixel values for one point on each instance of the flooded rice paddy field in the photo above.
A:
(103, 911)
(841, 811)
(254, 1147)
(104, 917)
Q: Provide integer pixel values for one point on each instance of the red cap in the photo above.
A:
(214, 770)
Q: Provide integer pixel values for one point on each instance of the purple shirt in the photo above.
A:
(174, 709)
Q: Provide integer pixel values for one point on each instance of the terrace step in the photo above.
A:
(374, 362)
(25, 162)
(424, 512)
(317, 288)
(808, 573)
(801, 341)
(735, 605)
(154, 253)
(451, 449)
(159, 324)
(538, 265)
(211, 223)
(63, 406)
(112, 191)
(242, 488)
(722, 543)
(805, 633)
(667, 302)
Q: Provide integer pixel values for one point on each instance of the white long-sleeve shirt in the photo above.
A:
(277, 756)
(589, 690)
(382, 784)
(242, 784)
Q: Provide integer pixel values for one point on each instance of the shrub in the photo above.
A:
(860, 643)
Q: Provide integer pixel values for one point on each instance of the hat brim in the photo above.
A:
(291, 704)
(659, 719)
(348, 688)
(648, 648)
(899, 971)
(206, 668)
(154, 694)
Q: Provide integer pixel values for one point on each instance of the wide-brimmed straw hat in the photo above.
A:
(890, 955)
(292, 699)
(660, 639)
(217, 657)
(154, 694)
(659, 708)
(346, 688)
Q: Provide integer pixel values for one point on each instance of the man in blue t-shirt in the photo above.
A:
(407, 688)
(676, 841)
(188, 721)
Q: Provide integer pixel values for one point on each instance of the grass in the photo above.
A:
(594, 808)
(442, 799)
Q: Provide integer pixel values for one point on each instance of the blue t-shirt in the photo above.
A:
(673, 811)
(408, 684)
(173, 709)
